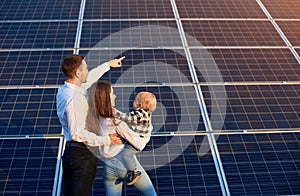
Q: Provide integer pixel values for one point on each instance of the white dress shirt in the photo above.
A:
(72, 108)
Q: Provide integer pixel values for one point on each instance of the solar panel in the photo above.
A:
(38, 35)
(288, 9)
(219, 9)
(39, 10)
(28, 166)
(129, 34)
(261, 164)
(32, 67)
(28, 112)
(119, 9)
(258, 107)
(231, 33)
(245, 65)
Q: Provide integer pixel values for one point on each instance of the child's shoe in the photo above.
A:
(132, 177)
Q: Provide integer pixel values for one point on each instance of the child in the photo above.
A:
(139, 120)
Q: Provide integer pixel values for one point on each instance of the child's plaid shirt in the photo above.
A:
(138, 120)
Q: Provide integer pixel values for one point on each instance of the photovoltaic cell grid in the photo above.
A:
(22, 68)
(39, 10)
(219, 9)
(292, 31)
(41, 35)
(258, 107)
(119, 9)
(28, 166)
(261, 164)
(290, 9)
(36, 36)
(235, 65)
(128, 34)
(28, 112)
(231, 33)
(246, 65)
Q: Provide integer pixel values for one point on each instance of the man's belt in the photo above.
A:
(75, 144)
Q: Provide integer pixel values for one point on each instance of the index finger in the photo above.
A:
(120, 59)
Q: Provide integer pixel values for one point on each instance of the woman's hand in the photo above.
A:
(115, 139)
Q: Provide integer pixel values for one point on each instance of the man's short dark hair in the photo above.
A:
(71, 64)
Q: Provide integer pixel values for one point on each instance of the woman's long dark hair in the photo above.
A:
(102, 100)
(99, 105)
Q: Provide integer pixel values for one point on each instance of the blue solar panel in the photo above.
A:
(32, 67)
(28, 112)
(258, 107)
(261, 164)
(130, 34)
(28, 166)
(38, 35)
(39, 9)
(245, 65)
(125, 9)
(231, 33)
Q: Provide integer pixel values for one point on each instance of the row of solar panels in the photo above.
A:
(117, 9)
(33, 111)
(200, 32)
(254, 164)
(222, 65)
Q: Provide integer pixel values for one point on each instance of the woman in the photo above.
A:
(101, 121)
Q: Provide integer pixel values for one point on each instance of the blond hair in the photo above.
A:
(146, 101)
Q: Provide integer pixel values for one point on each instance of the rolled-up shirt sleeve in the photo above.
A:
(76, 112)
(95, 74)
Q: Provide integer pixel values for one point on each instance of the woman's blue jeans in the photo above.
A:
(114, 173)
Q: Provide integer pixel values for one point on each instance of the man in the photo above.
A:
(79, 164)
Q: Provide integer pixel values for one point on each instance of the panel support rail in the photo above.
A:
(79, 27)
